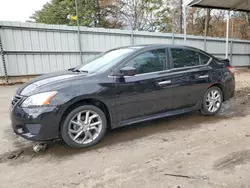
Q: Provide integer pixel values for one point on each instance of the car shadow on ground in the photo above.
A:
(141, 130)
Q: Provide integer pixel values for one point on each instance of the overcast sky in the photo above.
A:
(19, 10)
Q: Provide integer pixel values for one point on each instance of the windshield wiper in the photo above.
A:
(77, 70)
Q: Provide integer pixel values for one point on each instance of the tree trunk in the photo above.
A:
(207, 20)
(248, 18)
(181, 16)
(98, 13)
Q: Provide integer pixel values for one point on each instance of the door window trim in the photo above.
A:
(149, 73)
(209, 61)
(143, 74)
(166, 66)
(188, 67)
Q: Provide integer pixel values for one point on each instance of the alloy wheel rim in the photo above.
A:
(85, 127)
(213, 101)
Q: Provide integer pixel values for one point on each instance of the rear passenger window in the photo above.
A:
(204, 58)
(184, 58)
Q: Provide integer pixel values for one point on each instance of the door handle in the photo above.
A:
(204, 76)
(165, 82)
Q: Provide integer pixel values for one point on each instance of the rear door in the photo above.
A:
(190, 76)
(202, 76)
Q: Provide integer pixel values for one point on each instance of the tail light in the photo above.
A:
(232, 69)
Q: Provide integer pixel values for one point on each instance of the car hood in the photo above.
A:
(49, 82)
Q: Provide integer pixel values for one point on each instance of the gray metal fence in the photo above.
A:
(33, 49)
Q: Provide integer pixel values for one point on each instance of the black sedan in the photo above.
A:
(120, 87)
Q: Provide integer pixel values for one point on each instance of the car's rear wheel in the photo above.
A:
(84, 126)
(212, 101)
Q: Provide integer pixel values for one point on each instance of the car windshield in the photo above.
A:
(105, 61)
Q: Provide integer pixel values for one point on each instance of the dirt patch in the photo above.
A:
(123, 137)
(238, 105)
(11, 84)
(233, 159)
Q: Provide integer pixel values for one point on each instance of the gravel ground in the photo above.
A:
(208, 151)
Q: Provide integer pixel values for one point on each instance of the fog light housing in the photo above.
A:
(20, 130)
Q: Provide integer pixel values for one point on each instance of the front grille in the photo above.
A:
(16, 99)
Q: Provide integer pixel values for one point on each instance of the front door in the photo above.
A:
(149, 91)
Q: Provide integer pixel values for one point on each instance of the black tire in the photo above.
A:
(204, 109)
(66, 123)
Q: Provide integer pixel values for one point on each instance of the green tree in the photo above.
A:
(90, 12)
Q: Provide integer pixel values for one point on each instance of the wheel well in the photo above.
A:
(94, 102)
(221, 87)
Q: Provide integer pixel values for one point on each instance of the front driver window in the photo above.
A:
(150, 61)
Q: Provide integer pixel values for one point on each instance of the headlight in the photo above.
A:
(41, 99)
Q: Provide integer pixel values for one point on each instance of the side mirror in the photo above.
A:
(128, 71)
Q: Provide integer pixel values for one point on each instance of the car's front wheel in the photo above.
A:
(84, 126)
(212, 101)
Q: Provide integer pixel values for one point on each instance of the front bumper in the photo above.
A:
(36, 124)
